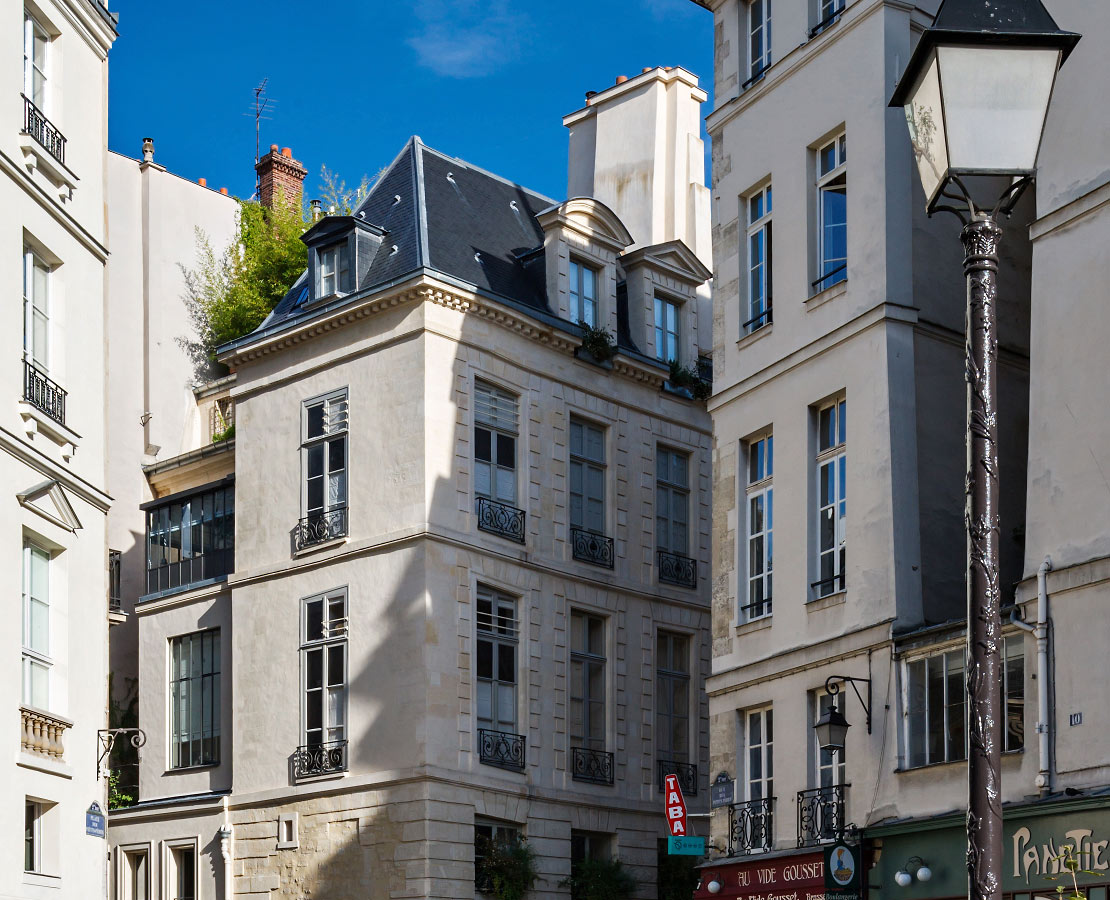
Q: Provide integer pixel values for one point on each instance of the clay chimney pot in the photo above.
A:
(273, 148)
(203, 182)
(621, 79)
(287, 152)
(645, 70)
(223, 191)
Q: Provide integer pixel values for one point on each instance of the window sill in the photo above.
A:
(584, 355)
(317, 302)
(44, 764)
(327, 776)
(323, 545)
(185, 770)
(930, 767)
(37, 879)
(829, 293)
(35, 421)
(753, 625)
(834, 599)
(182, 589)
(752, 336)
(36, 156)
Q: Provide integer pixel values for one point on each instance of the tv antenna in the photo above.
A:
(262, 104)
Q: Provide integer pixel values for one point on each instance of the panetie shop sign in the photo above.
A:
(797, 877)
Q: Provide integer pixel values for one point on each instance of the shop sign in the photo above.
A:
(676, 806)
(686, 846)
(1037, 852)
(799, 877)
(842, 872)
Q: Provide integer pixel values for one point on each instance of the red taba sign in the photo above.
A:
(676, 807)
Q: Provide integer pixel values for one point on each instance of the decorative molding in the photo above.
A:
(63, 514)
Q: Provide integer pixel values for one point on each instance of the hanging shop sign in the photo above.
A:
(842, 872)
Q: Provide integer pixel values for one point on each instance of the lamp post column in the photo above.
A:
(984, 624)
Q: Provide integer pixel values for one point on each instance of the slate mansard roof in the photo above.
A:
(450, 219)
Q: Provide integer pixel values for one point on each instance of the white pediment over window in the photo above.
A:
(50, 501)
(590, 218)
(674, 258)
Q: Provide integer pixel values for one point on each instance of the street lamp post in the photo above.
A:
(976, 93)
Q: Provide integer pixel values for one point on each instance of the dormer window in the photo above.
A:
(666, 329)
(583, 293)
(334, 269)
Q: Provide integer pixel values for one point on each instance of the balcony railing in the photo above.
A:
(591, 547)
(320, 759)
(687, 775)
(43, 393)
(500, 519)
(594, 766)
(43, 130)
(674, 568)
(821, 815)
(320, 527)
(115, 598)
(751, 826)
(41, 733)
(827, 21)
(202, 567)
(501, 749)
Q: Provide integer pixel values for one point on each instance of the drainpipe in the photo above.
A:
(1040, 632)
(226, 834)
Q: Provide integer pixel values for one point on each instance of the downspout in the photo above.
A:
(226, 833)
(1040, 632)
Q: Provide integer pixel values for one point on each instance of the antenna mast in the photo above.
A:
(262, 103)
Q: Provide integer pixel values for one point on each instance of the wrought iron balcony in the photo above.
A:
(115, 598)
(674, 568)
(500, 519)
(827, 21)
(320, 527)
(194, 569)
(594, 766)
(43, 393)
(751, 826)
(821, 815)
(591, 547)
(501, 749)
(320, 759)
(42, 130)
(687, 775)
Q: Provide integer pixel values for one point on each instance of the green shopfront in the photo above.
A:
(1035, 838)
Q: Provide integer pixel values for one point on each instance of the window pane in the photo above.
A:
(955, 704)
(315, 420)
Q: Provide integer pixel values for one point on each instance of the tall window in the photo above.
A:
(136, 877)
(827, 11)
(759, 260)
(832, 214)
(195, 699)
(935, 715)
(831, 425)
(672, 704)
(36, 626)
(184, 872)
(495, 435)
(587, 476)
(36, 311)
(587, 681)
(666, 329)
(32, 836)
(487, 836)
(672, 501)
(324, 450)
(759, 765)
(497, 661)
(830, 763)
(583, 293)
(334, 269)
(35, 44)
(190, 539)
(759, 38)
(761, 502)
(324, 669)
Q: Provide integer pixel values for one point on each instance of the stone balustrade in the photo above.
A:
(41, 733)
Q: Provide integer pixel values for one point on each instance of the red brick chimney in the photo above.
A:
(280, 175)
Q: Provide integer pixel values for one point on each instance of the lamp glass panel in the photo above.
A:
(995, 103)
(925, 118)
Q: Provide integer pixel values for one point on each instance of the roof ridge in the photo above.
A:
(487, 173)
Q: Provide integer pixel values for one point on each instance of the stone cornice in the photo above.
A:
(35, 459)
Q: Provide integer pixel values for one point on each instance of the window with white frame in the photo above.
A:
(135, 875)
(672, 701)
(831, 501)
(761, 501)
(32, 836)
(672, 501)
(181, 875)
(37, 661)
(324, 451)
(759, 39)
(36, 310)
(587, 681)
(583, 293)
(830, 763)
(195, 699)
(495, 440)
(935, 689)
(497, 639)
(832, 213)
(587, 476)
(36, 43)
(759, 260)
(759, 758)
(826, 13)
(335, 267)
(667, 314)
(324, 669)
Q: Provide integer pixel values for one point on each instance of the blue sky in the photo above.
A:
(484, 80)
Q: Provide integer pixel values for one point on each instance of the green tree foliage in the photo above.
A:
(600, 879)
(509, 868)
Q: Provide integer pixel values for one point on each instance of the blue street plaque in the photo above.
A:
(721, 791)
(95, 820)
(686, 846)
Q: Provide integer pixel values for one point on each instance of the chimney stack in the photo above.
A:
(148, 150)
(280, 175)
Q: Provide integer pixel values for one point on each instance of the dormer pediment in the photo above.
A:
(589, 218)
(673, 258)
(340, 251)
(49, 500)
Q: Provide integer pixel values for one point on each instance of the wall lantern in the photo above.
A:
(914, 867)
(977, 87)
(714, 886)
(832, 727)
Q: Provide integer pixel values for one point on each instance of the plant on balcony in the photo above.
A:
(598, 342)
(599, 879)
(226, 435)
(509, 867)
(687, 377)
